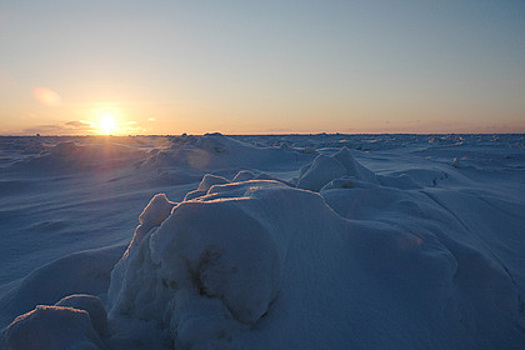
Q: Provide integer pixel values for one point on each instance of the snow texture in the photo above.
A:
(53, 327)
(268, 242)
(326, 168)
(216, 151)
(84, 272)
(93, 306)
(216, 265)
(208, 181)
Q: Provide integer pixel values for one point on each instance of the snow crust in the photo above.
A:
(325, 241)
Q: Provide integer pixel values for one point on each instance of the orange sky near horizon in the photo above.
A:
(292, 67)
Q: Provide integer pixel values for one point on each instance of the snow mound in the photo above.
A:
(83, 155)
(65, 149)
(216, 151)
(346, 182)
(244, 175)
(247, 175)
(326, 168)
(209, 266)
(258, 264)
(220, 258)
(52, 327)
(157, 210)
(84, 272)
(353, 167)
(206, 183)
(93, 306)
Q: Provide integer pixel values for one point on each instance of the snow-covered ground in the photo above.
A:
(263, 242)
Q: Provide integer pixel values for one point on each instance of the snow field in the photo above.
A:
(425, 255)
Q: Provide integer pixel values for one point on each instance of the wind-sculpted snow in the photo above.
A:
(208, 181)
(326, 168)
(68, 156)
(263, 242)
(84, 272)
(216, 151)
(52, 327)
(209, 267)
(385, 142)
(93, 306)
(261, 255)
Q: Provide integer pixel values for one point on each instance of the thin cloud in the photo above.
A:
(47, 96)
(79, 124)
(74, 127)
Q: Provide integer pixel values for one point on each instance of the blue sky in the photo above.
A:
(263, 67)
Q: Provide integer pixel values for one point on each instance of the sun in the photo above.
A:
(107, 123)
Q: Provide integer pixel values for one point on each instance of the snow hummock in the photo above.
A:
(206, 183)
(209, 263)
(216, 151)
(52, 327)
(86, 272)
(326, 168)
(157, 210)
(262, 254)
(244, 175)
(93, 306)
(93, 155)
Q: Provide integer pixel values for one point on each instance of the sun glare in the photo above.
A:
(107, 123)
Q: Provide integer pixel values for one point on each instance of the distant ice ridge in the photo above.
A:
(186, 152)
(216, 151)
(81, 154)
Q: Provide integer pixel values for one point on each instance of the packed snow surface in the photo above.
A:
(263, 242)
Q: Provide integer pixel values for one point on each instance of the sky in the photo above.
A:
(261, 67)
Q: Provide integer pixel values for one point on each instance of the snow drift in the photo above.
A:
(216, 151)
(85, 272)
(258, 264)
(52, 327)
(327, 168)
(90, 154)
